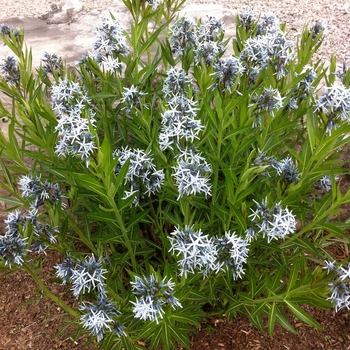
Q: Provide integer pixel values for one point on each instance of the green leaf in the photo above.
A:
(14, 201)
(220, 211)
(301, 243)
(283, 321)
(239, 218)
(103, 95)
(138, 217)
(302, 315)
(187, 318)
(179, 335)
(294, 272)
(152, 38)
(166, 337)
(103, 217)
(261, 308)
(9, 186)
(155, 337)
(256, 319)
(122, 174)
(89, 183)
(272, 319)
(104, 154)
(166, 53)
(235, 307)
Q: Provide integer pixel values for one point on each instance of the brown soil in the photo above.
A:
(28, 319)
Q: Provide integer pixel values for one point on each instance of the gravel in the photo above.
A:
(296, 13)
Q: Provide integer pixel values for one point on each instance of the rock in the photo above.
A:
(94, 12)
(54, 8)
(73, 5)
(65, 14)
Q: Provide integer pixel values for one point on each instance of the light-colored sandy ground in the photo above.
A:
(335, 13)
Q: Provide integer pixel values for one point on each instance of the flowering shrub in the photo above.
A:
(178, 180)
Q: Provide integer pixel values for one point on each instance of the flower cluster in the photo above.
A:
(268, 23)
(191, 173)
(12, 246)
(151, 296)
(263, 160)
(341, 73)
(8, 31)
(269, 101)
(325, 183)
(141, 172)
(269, 48)
(51, 64)
(39, 192)
(316, 29)
(179, 121)
(153, 3)
(340, 286)
(176, 83)
(178, 124)
(99, 317)
(232, 253)
(10, 70)
(265, 23)
(286, 168)
(303, 89)
(211, 29)
(335, 105)
(209, 47)
(226, 73)
(183, 36)
(247, 19)
(88, 276)
(110, 43)
(205, 39)
(74, 119)
(85, 275)
(42, 231)
(196, 249)
(275, 223)
(132, 98)
(200, 253)
(110, 38)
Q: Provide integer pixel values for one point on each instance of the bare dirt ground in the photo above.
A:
(30, 321)
(296, 13)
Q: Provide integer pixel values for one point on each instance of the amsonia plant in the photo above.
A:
(179, 173)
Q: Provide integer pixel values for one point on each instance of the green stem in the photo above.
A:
(154, 217)
(82, 235)
(185, 209)
(122, 227)
(48, 293)
(149, 53)
(216, 167)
